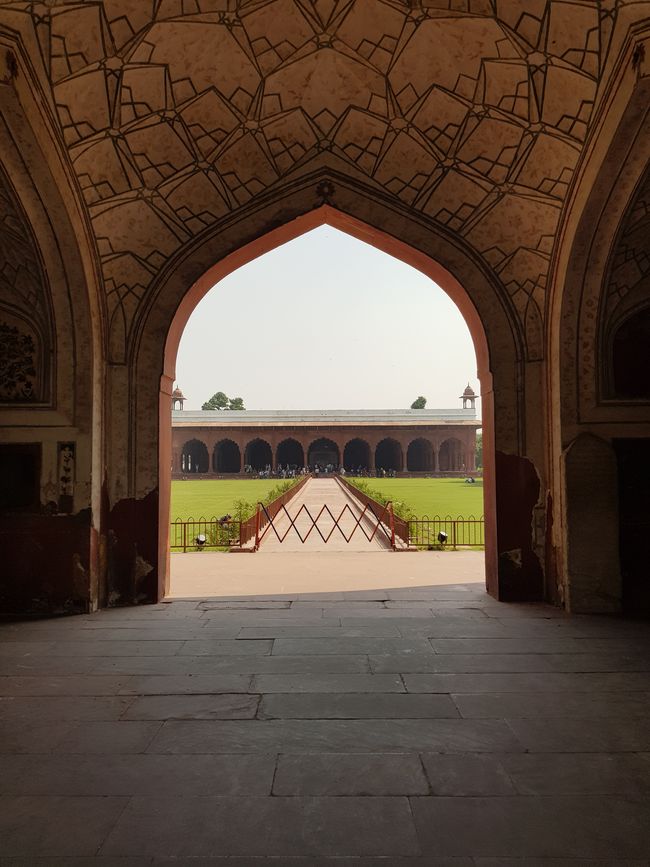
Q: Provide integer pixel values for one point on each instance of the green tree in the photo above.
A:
(479, 450)
(419, 403)
(217, 401)
(236, 403)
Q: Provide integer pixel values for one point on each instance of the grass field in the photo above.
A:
(424, 496)
(434, 496)
(215, 497)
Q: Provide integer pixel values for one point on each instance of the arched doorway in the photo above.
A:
(388, 455)
(226, 457)
(451, 457)
(194, 457)
(258, 455)
(419, 456)
(496, 332)
(323, 452)
(290, 453)
(356, 455)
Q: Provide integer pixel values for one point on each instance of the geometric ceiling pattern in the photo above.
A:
(176, 113)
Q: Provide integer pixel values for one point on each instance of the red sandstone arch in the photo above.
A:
(291, 452)
(323, 451)
(226, 457)
(356, 454)
(389, 455)
(451, 457)
(487, 311)
(420, 456)
(194, 457)
(258, 454)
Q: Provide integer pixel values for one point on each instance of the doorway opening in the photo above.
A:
(389, 454)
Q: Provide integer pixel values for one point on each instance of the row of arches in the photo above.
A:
(421, 455)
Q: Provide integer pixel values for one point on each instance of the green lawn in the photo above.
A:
(205, 498)
(434, 496)
(215, 497)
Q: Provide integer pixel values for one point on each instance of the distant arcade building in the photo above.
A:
(414, 441)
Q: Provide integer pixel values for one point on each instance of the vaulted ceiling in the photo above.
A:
(176, 113)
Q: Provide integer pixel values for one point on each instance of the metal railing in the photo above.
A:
(460, 532)
(326, 523)
(250, 529)
(217, 532)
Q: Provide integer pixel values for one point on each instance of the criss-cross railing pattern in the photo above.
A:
(367, 522)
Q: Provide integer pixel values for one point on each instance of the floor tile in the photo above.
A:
(56, 825)
(265, 826)
(356, 706)
(337, 774)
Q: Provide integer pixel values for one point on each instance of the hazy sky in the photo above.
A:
(326, 322)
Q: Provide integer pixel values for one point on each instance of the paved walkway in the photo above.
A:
(410, 726)
(313, 496)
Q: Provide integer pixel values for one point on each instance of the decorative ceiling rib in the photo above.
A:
(178, 112)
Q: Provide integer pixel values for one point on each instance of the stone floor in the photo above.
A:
(418, 725)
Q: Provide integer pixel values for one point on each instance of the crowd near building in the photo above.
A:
(364, 442)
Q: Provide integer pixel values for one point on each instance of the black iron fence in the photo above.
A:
(204, 534)
(447, 532)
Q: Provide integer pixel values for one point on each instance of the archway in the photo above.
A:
(419, 456)
(495, 330)
(356, 455)
(323, 452)
(290, 452)
(451, 458)
(226, 457)
(194, 457)
(389, 456)
(258, 455)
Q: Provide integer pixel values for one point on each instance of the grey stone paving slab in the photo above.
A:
(32, 735)
(356, 706)
(467, 775)
(344, 774)
(262, 617)
(520, 682)
(582, 735)
(351, 604)
(246, 604)
(106, 738)
(38, 665)
(115, 648)
(317, 682)
(272, 826)
(560, 826)
(559, 862)
(235, 665)
(458, 663)
(316, 861)
(127, 775)
(63, 707)
(226, 647)
(510, 645)
(186, 684)
(562, 705)
(324, 646)
(586, 773)
(53, 685)
(56, 825)
(376, 630)
(300, 736)
(73, 861)
(165, 707)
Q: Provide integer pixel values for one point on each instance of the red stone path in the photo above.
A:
(314, 495)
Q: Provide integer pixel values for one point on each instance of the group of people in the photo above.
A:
(291, 471)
